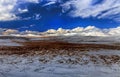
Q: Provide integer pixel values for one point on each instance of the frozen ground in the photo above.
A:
(13, 41)
(8, 42)
(102, 63)
(92, 63)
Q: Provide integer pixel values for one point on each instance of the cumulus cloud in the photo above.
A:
(81, 31)
(10, 31)
(87, 31)
(109, 9)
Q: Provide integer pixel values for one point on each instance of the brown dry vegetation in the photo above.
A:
(48, 47)
(33, 48)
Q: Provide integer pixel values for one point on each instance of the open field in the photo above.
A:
(28, 47)
(58, 57)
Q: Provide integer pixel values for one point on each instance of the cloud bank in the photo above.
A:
(87, 31)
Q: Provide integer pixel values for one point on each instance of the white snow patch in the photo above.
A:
(8, 42)
(30, 66)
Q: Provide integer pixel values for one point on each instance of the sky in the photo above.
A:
(41, 15)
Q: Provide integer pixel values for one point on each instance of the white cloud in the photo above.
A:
(87, 31)
(49, 3)
(32, 1)
(22, 10)
(85, 8)
(7, 6)
(10, 31)
(114, 31)
(109, 9)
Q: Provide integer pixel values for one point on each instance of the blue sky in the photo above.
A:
(41, 15)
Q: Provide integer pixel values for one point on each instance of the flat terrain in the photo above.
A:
(29, 46)
(59, 57)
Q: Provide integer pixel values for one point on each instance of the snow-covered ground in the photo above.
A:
(8, 42)
(60, 66)
(83, 39)
(71, 39)
(93, 63)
